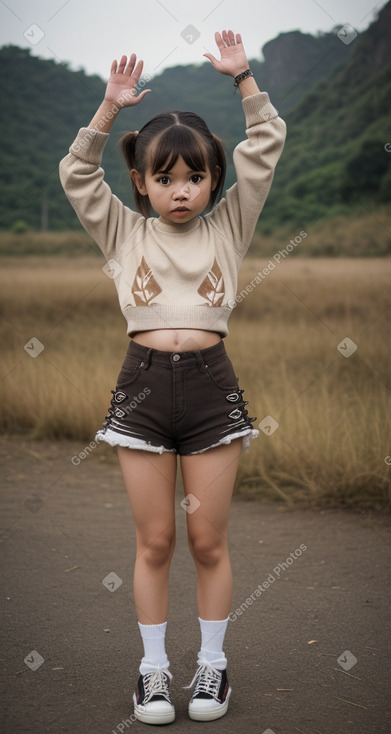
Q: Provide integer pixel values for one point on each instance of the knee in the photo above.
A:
(158, 549)
(207, 550)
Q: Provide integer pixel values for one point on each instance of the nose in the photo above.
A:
(183, 192)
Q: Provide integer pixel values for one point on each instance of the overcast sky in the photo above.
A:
(90, 33)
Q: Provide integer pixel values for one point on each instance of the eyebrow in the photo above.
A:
(189, 170)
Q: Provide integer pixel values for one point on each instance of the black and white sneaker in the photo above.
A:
(211, 694)
(151, 698)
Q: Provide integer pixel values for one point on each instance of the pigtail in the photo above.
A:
(128, 149)
(222, 163)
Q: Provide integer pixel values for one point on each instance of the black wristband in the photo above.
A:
(239, 78)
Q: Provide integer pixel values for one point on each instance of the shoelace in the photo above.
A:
(207, 680)
(156, 684)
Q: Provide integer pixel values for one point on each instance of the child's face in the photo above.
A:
(181, 187)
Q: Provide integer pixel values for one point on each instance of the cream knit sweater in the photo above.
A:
(171, 276)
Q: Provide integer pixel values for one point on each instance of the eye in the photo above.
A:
(163, 180)
(197, 176)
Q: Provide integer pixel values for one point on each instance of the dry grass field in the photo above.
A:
(332, 406)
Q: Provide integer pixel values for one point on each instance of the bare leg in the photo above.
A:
(210, 477)
(150, 483)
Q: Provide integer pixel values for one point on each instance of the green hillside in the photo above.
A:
(334, 97)
(336, 158)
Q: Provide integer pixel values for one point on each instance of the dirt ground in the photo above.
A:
(309, 635)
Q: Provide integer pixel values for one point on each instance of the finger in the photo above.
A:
(238, 38)
(113, 68)
(122, 64)
(219, 40)
(226, 38)
(141, 95)
(129, 66)
(138, 69)
(231, 37)
(212, 59)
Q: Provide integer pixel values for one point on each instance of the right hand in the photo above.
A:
(122, 85)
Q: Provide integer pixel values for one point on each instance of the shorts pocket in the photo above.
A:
(222, 373)
(129, 372)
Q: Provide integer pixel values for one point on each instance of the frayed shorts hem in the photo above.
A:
(246, 436)
(117, 439)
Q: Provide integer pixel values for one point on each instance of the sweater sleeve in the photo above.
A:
(103, 215)
(255, 159)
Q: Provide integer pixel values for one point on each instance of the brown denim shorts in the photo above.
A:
(184, 402)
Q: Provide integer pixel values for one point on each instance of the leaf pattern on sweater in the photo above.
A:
(144, 287)
(212, 287)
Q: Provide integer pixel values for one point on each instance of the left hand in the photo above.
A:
(233, 57)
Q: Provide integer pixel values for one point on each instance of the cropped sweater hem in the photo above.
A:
(207, 318)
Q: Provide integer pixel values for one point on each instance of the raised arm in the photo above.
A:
(255, 158)
(102, 215)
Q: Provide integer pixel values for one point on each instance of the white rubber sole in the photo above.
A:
(196, 713)
(147, 715)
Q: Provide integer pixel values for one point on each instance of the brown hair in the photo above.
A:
(173, 134)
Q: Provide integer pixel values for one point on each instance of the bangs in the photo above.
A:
(185, 143)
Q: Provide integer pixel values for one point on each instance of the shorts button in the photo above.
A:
(176, 357)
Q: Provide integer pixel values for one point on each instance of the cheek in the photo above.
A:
(206, 192)
(157, 193)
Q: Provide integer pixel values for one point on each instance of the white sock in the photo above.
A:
(153, 637)
(212, 639)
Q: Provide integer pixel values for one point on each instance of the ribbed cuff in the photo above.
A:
(89, 145)
(258, 108)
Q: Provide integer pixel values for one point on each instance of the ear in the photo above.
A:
(215, 178)
(138, 181)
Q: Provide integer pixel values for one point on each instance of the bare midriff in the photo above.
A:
(177, 340)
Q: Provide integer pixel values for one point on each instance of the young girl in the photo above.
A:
(177, 392)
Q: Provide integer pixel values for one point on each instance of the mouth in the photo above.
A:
(180, 209)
